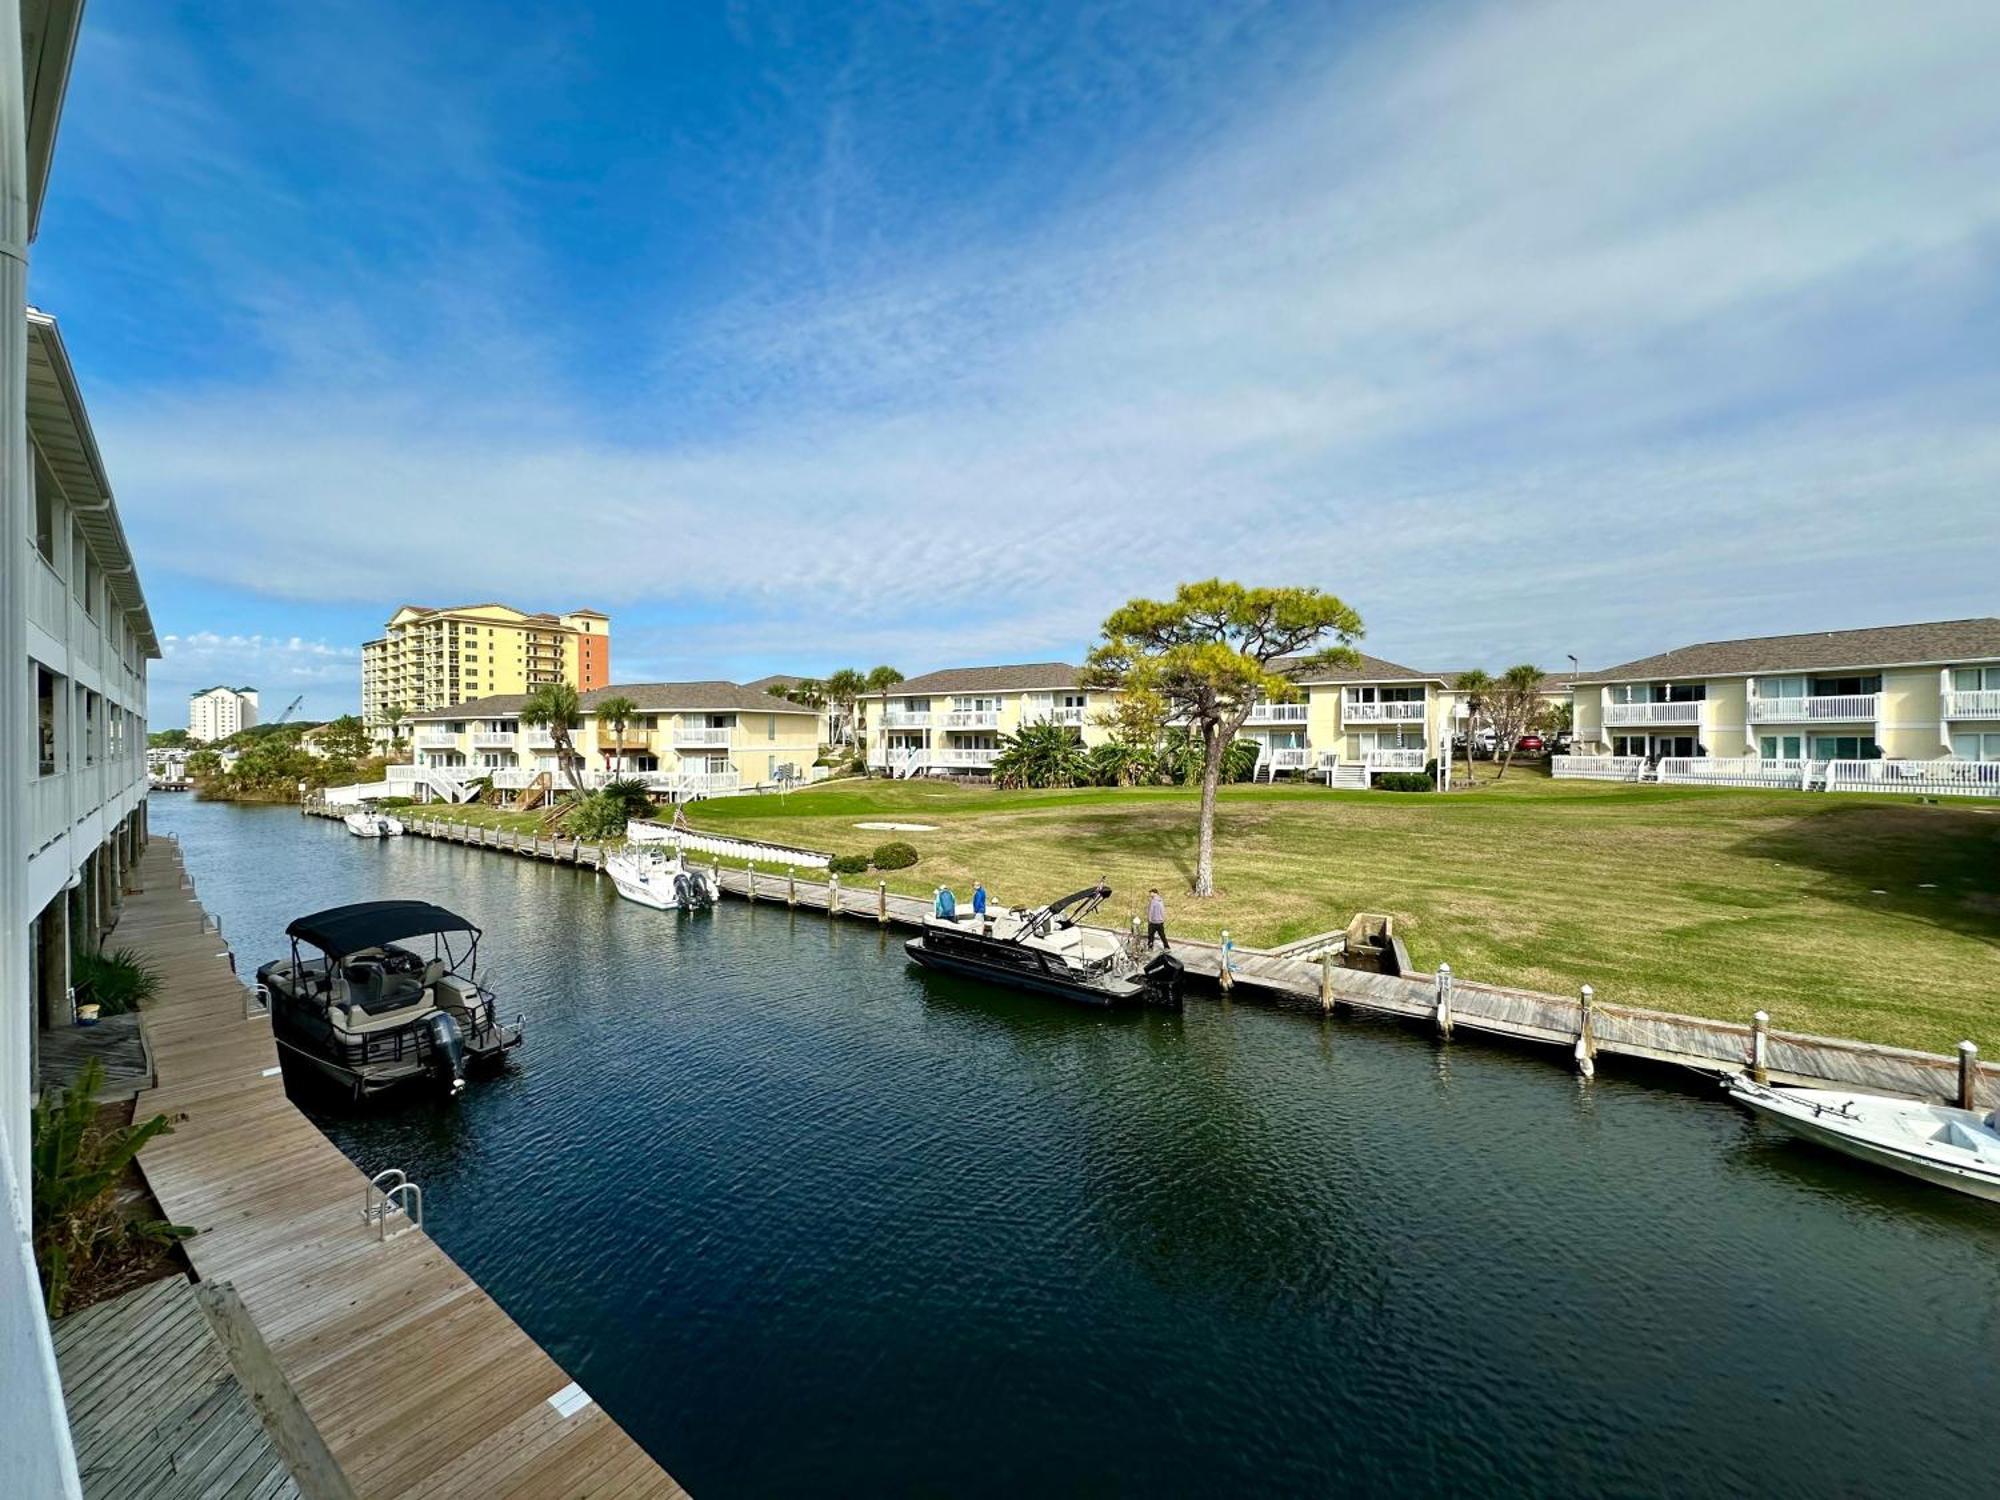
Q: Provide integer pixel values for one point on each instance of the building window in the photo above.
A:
(770, 726)
(1976, 746)
(45, 718)
(1845, 747)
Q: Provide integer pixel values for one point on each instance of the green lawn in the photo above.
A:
(1868, 917)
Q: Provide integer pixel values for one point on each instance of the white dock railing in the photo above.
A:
(1598, 767)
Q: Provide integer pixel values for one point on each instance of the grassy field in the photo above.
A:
(1854, 916)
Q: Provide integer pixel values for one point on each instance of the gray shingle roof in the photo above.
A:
(1937, 643)
(1368, 669)
(652, 698)
(1033, 676)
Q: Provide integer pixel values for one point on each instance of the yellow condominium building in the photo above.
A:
(950, 722)
(1897, 707)
(433, 658)
(1355, 723)
(684, 739)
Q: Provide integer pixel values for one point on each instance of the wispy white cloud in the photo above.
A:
(279, 667)
(1529, 328)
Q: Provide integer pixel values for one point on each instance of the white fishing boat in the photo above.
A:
(1937, 1143)
(368, 824)
(658, 876)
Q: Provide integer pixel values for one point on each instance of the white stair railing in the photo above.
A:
(391, 1194)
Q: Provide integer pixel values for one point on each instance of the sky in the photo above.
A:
(798, 335)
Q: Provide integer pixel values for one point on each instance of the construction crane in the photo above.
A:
(290, 708)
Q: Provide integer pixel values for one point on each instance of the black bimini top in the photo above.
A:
(369, 924)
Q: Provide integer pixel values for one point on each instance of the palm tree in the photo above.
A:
(1040, 754)
(554, 706)
(1520, 695)
(394, 715)
(617, 711)
(842, 688)
(1476, 688)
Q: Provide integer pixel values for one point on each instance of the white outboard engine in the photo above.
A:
(447, 1053)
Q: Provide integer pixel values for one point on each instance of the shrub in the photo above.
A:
(395, 801)
(598, 816)
(894, 855)
(848, 864)
(1402, 781)
(119, 982)
(74, 1171)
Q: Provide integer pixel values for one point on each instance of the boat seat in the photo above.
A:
(433, 972)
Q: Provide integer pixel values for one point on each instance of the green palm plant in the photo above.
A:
(554, 706)
(842, 688)
(74, 1172)
(1475, 688)
(617, 711)
(1039, 755)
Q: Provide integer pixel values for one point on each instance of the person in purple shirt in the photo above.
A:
(1156, 921)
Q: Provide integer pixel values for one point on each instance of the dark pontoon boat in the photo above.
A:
(1047, 949)
(372, 1015)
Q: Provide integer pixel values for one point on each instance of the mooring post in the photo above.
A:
(832, 893)
(715, 874)
(1760, 1047)
(882, 902)
(1968, 1075)
(750, 879)
(1444, 999)
(791, 886)
(1225, 978)
(1326, 980)
(1586, 1044)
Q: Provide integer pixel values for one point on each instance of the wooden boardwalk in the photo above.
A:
(1518, 1015)
(155, 1410)
(415, 1380)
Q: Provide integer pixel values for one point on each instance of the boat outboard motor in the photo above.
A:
(1163, 980)
(447, 1052)
(692, 891)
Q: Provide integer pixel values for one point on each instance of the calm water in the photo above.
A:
(803, 1218)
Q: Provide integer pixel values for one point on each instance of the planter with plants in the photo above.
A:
(111, 984)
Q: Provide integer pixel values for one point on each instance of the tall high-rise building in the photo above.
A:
(432, 658)
(218, 712)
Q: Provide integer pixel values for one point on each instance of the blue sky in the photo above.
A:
(806, 335)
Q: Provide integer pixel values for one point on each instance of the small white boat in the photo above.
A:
(372, 825)
(1937, 1143)
(657, 876)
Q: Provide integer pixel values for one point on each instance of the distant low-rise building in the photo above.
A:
(215, 713)
(951, 722)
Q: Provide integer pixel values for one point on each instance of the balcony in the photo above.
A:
(955, 756)
(492, 739)
(708, 783)
(1277, 713)
(701, 737)
(1393, 760)
(897, 718)
(1288, 758)
(970, 718)
(1854, 708)
(1401, 711)
(540, 739)
(1973, 705)
(436, 739)
(1651, 715)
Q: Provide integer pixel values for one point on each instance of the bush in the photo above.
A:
(848, 864)
(395, 801)
(894, 855)
(1402, 781)
(598, 816)
(118, 982)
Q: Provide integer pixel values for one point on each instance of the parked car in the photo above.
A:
(1563, 742)
(1529, 744)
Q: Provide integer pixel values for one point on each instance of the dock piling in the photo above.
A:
(1586, 1043)
(1760, 1047)
(791, 886)
(832, 894)
(882, 902)
(1968, 1075)
(750, 880)
(1326, 981)
(1444, 1000)
(1225, 978)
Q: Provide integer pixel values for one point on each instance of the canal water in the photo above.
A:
(805, 1219)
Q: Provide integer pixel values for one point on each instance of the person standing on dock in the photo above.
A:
(1156, 921)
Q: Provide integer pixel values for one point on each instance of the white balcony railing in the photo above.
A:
(1288, 758)
(48, 597)
(539, 739)
(957, 756)
(970, 718)
(1393, 760)
(1277, 713)
(1973, 705)
(701, 737)
(1073, 717)
(900, 718)
(1400, 711)
(1849, 708)
(1643, 715)
(436, 739)
(492, 739)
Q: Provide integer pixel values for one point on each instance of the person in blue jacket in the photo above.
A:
(947, 904)
(978, 898)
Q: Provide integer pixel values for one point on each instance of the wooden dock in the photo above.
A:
(1584, 1027)
(417, 1383)
(172, 1423)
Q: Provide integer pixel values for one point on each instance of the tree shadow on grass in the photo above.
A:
(1928, 863)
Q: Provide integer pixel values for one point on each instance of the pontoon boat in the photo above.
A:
(1047, 949)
